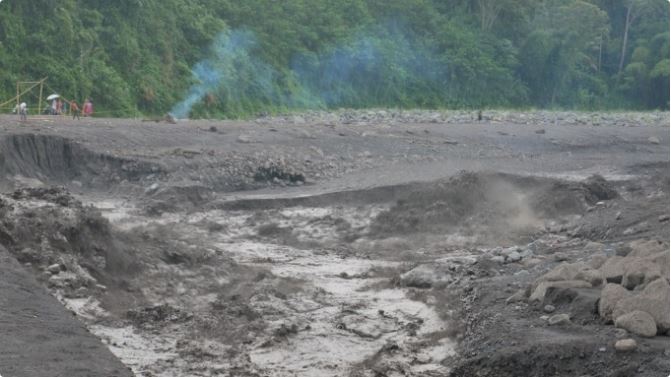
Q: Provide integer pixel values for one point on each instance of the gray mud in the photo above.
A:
(378, 243)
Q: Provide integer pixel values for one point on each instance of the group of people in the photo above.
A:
(61, 107)
(58, 107)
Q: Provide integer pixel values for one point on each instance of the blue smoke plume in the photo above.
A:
(208, 78)
(231, 72)
(378, 67)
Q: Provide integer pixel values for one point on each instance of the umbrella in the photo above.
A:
(53, 96)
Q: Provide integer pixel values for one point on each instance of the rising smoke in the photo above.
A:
(230, 69)
(381, 66)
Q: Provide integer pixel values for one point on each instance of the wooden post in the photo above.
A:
(17, 96)
(39, 103)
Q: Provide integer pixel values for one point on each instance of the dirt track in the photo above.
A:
(356, 243)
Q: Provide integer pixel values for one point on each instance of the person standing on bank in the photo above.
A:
(74, 107)
(23, 111)
(88, 108)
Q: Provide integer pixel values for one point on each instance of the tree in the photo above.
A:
(489, 12)
(144, 56)
(636, 9)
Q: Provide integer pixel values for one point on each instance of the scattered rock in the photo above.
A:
(637, 322)
(54, 268)
(531, 262)
(540, 132)
(498, 259)
(521, 273)
(621, 333)
(151, 189)
(653, 140)
(663, 218)
(561, 257)
(559, 319)
(64, 280)
(245, 139)
(517, 297)
(625, 345)
(513, 257)
(549, 308)
(153, 316)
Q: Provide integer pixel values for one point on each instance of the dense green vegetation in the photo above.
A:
(233, 58)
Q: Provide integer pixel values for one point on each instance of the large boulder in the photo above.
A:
(644, 248)
(568, 272)
(581, 302)
(613, 269)
(611, 294)
(565, 271)
(424, 276)
(594, 277)
(637, 322)
(639, 271)
(658, 289)
(658, 309)
(597, 260)
(662, 260)
(538, 294)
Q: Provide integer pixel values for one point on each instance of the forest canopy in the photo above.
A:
(224, 58)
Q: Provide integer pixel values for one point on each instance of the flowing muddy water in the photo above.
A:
(306, 286)
(343, 314)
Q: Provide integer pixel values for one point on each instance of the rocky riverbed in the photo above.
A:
(348, 243)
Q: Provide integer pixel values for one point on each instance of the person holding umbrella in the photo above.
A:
(23, 111)
(53, 110)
